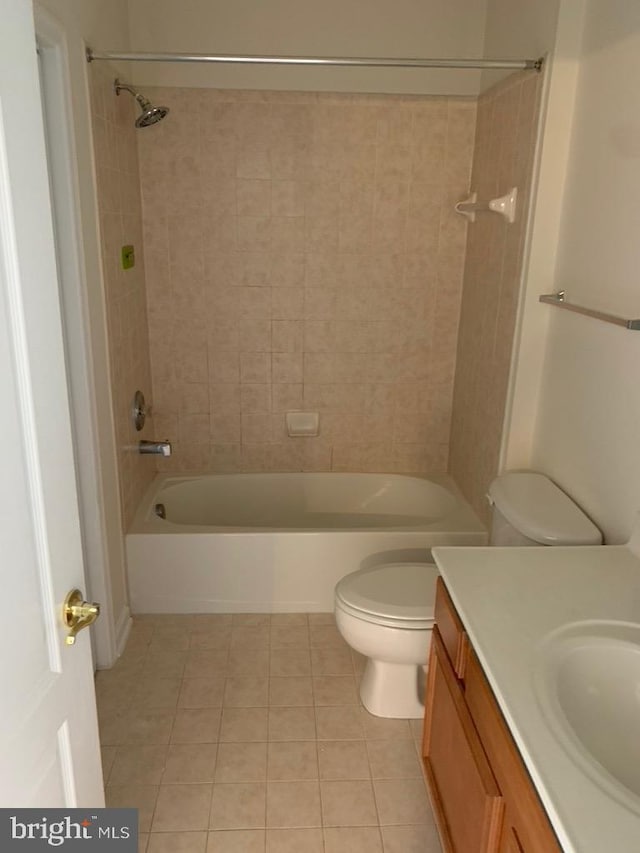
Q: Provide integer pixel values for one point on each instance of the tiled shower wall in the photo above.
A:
(508, 117)
(120, 224)
(302, 254)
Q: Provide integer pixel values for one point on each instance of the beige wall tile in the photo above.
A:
(294, 244)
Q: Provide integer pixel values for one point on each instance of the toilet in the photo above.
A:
(385, 612)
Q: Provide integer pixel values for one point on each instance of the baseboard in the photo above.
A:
(123, 629)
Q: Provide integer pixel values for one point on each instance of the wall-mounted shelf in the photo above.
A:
(558, 299)
(505, 206)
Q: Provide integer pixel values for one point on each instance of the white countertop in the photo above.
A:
(509, 600)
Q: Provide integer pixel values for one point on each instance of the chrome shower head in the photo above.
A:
(150, 114)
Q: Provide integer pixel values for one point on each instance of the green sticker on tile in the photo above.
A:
(128, 257)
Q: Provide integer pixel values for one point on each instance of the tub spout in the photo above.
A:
(160, 448)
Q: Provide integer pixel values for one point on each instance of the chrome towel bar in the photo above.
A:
(558, 299)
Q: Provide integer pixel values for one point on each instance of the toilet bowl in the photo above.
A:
(386, 614)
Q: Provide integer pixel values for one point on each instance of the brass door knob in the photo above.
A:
(78, 614)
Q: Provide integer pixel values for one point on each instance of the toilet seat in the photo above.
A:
(398, 595)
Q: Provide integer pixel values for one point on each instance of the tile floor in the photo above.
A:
(244, 734)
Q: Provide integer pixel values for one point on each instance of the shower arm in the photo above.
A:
(119, 86)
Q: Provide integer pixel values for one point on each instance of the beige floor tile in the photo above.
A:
(287, 661)
(352, 839)
(108, 756)
(417, 729)
(141, 797)
(249, 637)
(380, 728)
(147, 727)
(213, 638)
(177, 842)
(206, 663)
(153, 692)
(292, 724)
(238, 806)
(348, 804)
(341, 723)
(359, 662)
(246, 692)
(294, 841)
(291, 760)
(326, 635)
(243, 665)
(115, 690)
(290, 692)
(201, 693)
(401, 801)
(201, 725)
(143, 840)
(164, 664)
(393, 759)
(237, 841)
(209, 621)
(321, 619)
(251, 620)
(335, 690)
(190, 764)
(169, 640)
(331, 661)
(289, 620)
(138, 765)
(244, 724)
(241, 762)
(285, 636)
(293, 804)
(182, 808)
(343, 759)
(411, 839)
(113, 724)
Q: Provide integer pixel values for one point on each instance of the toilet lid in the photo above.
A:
(394, 591)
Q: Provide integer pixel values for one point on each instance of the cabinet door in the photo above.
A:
(527, 827)
(464, 792)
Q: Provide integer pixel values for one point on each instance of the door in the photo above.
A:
(49, 744)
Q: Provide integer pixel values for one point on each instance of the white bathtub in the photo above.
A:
(280, 542)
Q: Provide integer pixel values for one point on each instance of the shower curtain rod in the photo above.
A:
(389, 62)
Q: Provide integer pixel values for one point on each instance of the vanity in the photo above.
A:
(532, 714)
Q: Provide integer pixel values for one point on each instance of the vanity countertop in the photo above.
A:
(509, 600)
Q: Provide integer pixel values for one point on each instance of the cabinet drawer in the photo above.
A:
(463, 789)
(451, 629)
(529, 828)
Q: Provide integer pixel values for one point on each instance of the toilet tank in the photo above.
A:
(528, 509)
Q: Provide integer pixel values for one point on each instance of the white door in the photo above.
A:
(49, 748)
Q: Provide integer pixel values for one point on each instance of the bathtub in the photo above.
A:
(235, 543)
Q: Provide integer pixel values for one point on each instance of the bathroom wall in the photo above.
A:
(119, 204)
(586, 435)
(430, 28)
(506, 130)
(302, 253)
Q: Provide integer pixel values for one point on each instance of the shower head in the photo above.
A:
(150, 114)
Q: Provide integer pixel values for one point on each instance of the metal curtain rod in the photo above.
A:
(522, 64)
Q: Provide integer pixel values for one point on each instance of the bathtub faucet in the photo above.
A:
(161, 448)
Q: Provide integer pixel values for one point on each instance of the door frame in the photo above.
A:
(93, 439)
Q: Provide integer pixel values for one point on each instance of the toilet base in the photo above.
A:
(392, 690)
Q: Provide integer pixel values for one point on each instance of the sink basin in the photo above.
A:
(588, 686)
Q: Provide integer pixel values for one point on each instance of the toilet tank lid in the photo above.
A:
(538, 509)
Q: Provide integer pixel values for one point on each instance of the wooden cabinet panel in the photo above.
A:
(530, 830)
(451, 629)
(464, 792)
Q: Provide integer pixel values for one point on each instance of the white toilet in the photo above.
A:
(386, 612)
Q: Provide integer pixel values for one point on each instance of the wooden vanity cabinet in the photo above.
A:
(482, 795)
